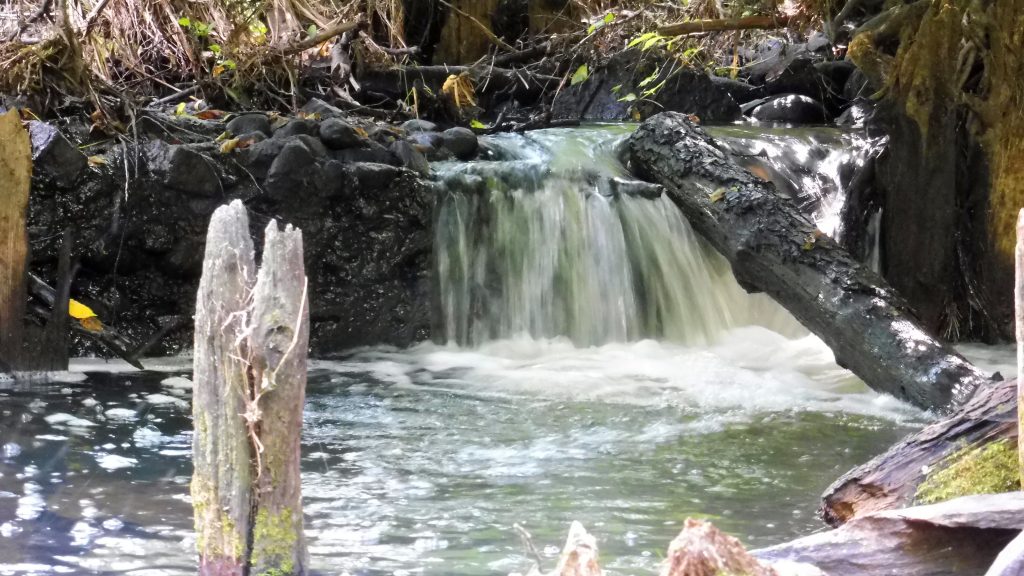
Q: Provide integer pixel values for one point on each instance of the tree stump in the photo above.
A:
(251, 344)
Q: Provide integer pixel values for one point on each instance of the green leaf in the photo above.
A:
(651, 43)
(616, 88)
(215, 48)
(628, 97)
(641, 38)
(581, 74)
(202, 29)
(311, 31)
(477, 124)
(609, 18)
(651, 78)
(592, 29)
(229, 64)
(180, 109)
(184, 22)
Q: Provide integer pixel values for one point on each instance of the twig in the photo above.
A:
(43, 9)
(721, 25)
(93, 15)
(179, 94)
(322, 37)
(528, 543)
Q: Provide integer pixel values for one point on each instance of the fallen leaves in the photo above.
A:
(460, 89)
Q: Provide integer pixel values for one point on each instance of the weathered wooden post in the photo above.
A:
(1018, 299)
(15, 182)
(252, 332)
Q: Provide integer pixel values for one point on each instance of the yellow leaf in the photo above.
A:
(78, 310)
(91, 324)
(477, 124)
(460, 89)
(179, 110)
(362, 132)
(809, 242)
(97, 160)
(717, 195)
(228, 146)
(218, 70)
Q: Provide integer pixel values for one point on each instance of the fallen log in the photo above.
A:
(891, 480)
(726, 24)
(775, 249)
(961, 536)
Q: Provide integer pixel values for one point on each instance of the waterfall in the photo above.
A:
(548, 240)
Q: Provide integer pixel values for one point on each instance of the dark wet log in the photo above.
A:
(252, 337)
(222, 479)
(54, 352)
(15, 182)
(774, 249)
(961, 536)
(278, 343)
(725, 24)
(891, 479)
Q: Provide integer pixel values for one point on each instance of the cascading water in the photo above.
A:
(549, 239)
(602, 365)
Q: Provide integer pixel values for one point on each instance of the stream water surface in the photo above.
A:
(602, 366)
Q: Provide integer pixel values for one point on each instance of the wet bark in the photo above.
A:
(776, 250)
(890, 480)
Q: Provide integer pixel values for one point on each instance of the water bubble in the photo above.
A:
(10, 450)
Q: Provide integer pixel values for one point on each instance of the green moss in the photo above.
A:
(987, 469)
(274, 540)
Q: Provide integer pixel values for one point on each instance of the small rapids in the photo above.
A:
(595, 362)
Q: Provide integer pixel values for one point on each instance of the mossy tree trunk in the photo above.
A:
(952, 74)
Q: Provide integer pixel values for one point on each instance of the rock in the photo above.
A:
(857, 86)
(791, 108)
(962, 536)
(739, 90)
(53, 157)
(462, 142)
(376, 154)
(183, 169)
(291, 169)
(410, 157)
(856, 115)
(338, 134)
(768, 57)
(430, 143)
(248, 123)
(296, 126)
(417, 125)
(258, 157)
(313, 144)
(323, 109)
(252, 137)
(688, 91)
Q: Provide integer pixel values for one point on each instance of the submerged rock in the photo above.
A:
(462, 142)
(791, 108)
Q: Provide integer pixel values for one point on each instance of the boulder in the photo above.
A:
(417, 125)
(182, 168)
(291, 169)
(411, 157)
(462, 142)
(249, 123)
(258, 157)
(338, 134)
(792, 109)
(296, 126)
(53, 156)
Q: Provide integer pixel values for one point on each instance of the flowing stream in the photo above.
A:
(597, 362)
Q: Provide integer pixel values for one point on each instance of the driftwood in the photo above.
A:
(891, 479)
(321, 37)
(774, 249)
(960, 536)
(251, 341)
(726, 24)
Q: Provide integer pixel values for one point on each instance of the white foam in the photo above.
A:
(164, 399)
(64, 419)
(177, 382)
